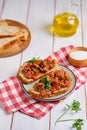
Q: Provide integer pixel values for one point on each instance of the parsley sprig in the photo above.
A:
(75, 107)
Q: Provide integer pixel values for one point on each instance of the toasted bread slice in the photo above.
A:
(29, 72)
(40, 95)
(10, 44)
(8, 41)
(6, 31)
(55, 83)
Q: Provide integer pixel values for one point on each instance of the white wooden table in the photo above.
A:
(38, 15)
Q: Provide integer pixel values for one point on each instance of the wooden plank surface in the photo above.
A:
(38, 16)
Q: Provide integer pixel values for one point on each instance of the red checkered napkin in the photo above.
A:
(13, 97)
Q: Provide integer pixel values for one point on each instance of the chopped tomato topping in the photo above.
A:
(58, 80)
(31, 70)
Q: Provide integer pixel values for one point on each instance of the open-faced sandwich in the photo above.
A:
(54, 83)
(36, 68)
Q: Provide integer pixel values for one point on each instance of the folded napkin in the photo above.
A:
(13, 98)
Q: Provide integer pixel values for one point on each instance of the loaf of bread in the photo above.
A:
(31, 71)
(53, 84)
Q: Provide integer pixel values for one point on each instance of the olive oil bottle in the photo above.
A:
(65, 24)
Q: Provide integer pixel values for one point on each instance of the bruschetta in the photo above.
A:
(55, 83)
(34, 69)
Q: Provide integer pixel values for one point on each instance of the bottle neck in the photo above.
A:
(70, 6)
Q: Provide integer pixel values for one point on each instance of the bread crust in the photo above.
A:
(36, 70)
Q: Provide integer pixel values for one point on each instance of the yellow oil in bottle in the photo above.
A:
(65, 24)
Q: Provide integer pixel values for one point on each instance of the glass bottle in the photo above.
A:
(66, 22)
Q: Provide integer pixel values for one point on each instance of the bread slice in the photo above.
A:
(6, 31)
(30, 72)
(53, 84)
(39, 95)
(9, 41)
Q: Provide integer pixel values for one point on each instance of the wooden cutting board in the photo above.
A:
(20, 46)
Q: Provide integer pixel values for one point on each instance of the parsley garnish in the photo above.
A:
(75, 106)
(78, 124)
(33, 60)
(46, 82)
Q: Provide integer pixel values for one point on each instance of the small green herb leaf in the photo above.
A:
(68, 106)
(47, 85)
(78, 124)
(75, 106)
(46, 82)
(33, 60)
